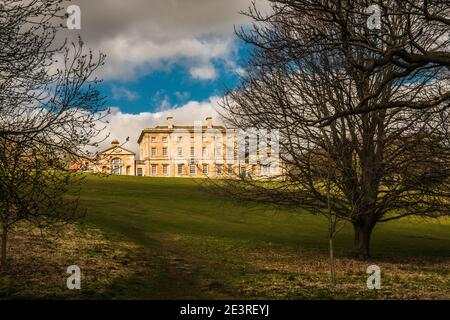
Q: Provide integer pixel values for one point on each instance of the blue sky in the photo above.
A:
(169, 87)
(164, 58)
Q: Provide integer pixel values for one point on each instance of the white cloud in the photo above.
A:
(129, 58)
(183, 96)
(119, 93)
(206, 72)
(122, 125)
(160, 101)
(140, 36)
(240, 71)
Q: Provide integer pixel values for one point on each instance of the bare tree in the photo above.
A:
(48, 86)
(389, 162)
(50, 110)
(32, 189)
(412, 38)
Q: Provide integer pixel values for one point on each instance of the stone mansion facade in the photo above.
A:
(201, 150)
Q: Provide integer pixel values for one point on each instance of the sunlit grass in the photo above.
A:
(174, 239)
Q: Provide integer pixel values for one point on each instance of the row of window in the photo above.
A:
(165, 139)
(205, 169)
(205, 152)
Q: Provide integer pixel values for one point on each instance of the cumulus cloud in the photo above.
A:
(130, 57)
(206, 72)
(139, 36)
(142, 36)
(122, 125)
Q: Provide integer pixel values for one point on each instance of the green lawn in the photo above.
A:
(193, 244)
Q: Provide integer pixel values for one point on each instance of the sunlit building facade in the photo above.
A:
(200, 150)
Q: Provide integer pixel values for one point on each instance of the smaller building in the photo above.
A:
(116, 160)
(84, 165)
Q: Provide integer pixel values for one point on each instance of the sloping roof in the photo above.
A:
(79, 165)
(117, 147)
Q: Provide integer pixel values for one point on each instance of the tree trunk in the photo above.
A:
(331, 234)
(363, 232)
(333, 263)
(3, 250)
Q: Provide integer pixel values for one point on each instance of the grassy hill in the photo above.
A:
(210, 247)
(151, 238)
(143, 208)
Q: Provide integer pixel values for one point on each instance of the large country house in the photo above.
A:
(201, 150)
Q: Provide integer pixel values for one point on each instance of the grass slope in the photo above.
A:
(198, 245)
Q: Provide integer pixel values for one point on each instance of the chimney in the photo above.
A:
(170, 122)
(209, 122)
(115, 143)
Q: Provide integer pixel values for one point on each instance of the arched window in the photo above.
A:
(116, 166)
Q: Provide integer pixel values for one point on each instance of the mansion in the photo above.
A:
(201, 150)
